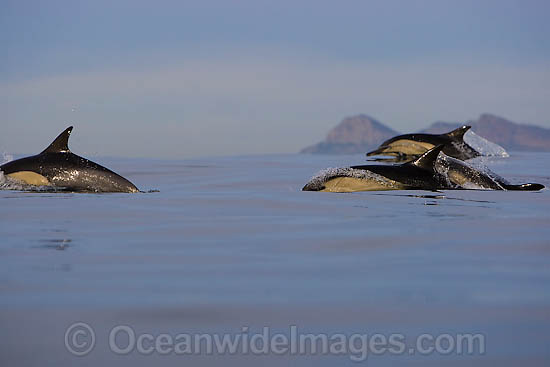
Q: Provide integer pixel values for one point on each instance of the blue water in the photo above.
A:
(231, 242)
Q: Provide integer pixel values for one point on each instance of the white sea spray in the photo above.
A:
(484, 146)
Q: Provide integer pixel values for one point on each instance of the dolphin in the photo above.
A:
(59, 168)
(417, 174)
(413, 145)
(433, 170)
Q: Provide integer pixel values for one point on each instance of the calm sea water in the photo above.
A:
(232, 244)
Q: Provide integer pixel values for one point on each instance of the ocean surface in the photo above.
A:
(230, 245)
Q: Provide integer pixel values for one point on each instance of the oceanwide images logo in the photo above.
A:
(80, 340)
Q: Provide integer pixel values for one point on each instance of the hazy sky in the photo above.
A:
(198, 78)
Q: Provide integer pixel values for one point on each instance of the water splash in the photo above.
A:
(484, 146)
(6, 158)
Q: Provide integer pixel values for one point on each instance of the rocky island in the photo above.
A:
(353, 135)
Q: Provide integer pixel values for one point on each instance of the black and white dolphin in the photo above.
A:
(418, 174)
(432, 171)
(59, 168)
(414, 145)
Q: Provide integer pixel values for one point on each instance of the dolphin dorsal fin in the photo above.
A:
(427, 160)
(61, 143)
(458, 134)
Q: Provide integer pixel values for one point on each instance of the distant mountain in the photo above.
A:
(510, 135)
(359, 134)
(356, 134)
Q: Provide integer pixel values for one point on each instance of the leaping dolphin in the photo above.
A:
(59, 168)
(432, 171)
(418, 174)
(413, 145)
